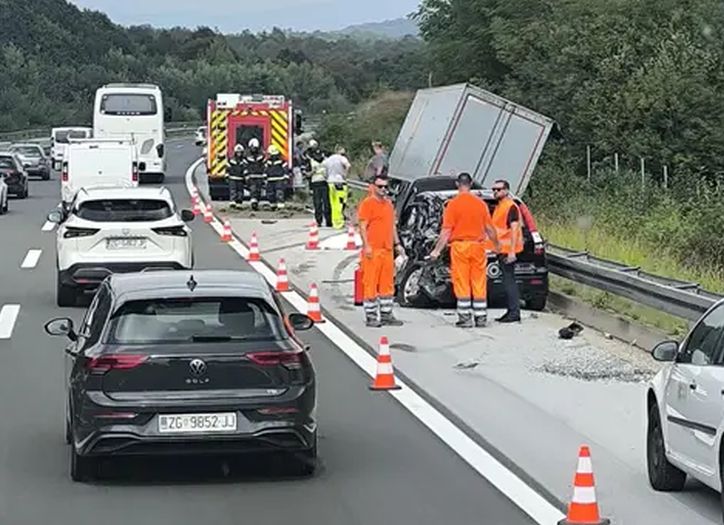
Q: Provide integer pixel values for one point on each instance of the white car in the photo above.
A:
(118, 230)
(3, 197)
(685, 404)
(59, 138)
(200, 136)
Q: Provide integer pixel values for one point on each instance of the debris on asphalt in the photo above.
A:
(467, 365)
(570, 331)
(597, 366)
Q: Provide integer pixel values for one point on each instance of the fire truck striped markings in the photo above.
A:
(8, 316)
(31, 259)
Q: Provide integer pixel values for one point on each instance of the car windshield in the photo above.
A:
(7, 162)
(128, 104)
(61, 137)
(197, 319)
(28, 151)
(124, 210)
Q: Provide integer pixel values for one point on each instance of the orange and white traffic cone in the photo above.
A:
(313, 242)
(351, 240)
(314, 310)
(197, 205)
(208, 215)
(254, 255)
(583, 509)
(385, 377)
(282, 278)
(226, 235)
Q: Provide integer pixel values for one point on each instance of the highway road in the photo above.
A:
(378, 463)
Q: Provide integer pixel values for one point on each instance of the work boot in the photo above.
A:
(481, 321)
(509, 318)
(388, 319)
(464, 321)
(371, 321)
(232, 205)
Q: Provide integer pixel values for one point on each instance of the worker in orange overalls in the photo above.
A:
(378, 230)
(467, 225)
(507, 222)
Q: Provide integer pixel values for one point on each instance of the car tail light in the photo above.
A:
(174, 231)
(540, 249)
(106, 363)
(289, 360)
(275, 411)
(72, 232)
(134, 172)
(64, 173)
(116, 415)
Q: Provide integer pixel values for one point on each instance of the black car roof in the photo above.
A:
(176, 283)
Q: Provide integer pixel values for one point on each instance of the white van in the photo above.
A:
(98, 162)
(59, 138)
(134, 112)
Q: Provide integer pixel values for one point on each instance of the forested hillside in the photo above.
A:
(53, 56)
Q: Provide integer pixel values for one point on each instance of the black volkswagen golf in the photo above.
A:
(177, 363)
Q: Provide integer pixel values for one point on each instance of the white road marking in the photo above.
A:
(48, 226)
(31, 259)
(8, 316)
(525, 497)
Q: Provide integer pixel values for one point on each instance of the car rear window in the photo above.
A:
(124, 210)
(7, 162)
(197, 319)
(28, 151)
(61, 137)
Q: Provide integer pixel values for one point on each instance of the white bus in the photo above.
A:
(134, 111)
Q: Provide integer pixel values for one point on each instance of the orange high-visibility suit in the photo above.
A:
(466, 216)
(378, 270)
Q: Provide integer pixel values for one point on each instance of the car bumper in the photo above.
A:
(16, 188)
(88, 276)
(100, 431)
(38, 171)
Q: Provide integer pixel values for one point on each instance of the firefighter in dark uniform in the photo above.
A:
(235, 176)
(277, 178)
(254, 172)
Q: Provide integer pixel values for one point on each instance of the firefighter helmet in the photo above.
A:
(313, 144)
(238, 148)
(254, 144)
(273, 150)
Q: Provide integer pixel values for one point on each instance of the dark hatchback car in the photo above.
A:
(187, 363)
(419, 207)
(12, 171)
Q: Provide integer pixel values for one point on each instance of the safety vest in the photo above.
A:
(276, 169)
(505, 234)
(319, 172)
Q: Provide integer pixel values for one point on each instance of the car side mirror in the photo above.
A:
(300, 322)
(187, 215)
(55, 216)
(666, 351)
(61, 326)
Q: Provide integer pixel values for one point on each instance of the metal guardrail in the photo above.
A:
(679, 298)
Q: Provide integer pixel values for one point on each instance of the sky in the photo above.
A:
(231, 16)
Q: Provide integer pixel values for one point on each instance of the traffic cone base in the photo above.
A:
(351, 239)
(583, 508)
(313, 242)
(208, 215)
(385, 376)
(226, 236)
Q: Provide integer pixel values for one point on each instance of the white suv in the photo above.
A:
(118, 229)
(685, 404)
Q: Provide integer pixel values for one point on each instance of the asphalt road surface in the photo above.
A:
(378, 464)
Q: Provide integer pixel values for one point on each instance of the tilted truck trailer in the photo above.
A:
(462, 127)
(236, 119)
(454, 129)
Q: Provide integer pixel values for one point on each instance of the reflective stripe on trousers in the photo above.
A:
(386, 303)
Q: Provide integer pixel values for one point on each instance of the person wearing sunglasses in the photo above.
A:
(378, 230)
(506, 219)
(467, 226)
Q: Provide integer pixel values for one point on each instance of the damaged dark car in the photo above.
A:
(425, 283)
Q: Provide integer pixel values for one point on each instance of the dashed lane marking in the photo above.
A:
(48, 226)
(31, 259)
(8, 316)
(507, 482)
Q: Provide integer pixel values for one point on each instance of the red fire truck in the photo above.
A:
(236, 119)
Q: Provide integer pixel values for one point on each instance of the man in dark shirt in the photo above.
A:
(506, 219)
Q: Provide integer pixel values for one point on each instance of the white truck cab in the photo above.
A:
(59, 138)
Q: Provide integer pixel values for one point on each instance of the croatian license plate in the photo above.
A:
(196, 423)
(126, 243)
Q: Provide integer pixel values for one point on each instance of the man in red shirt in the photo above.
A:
(379, 238)
(467, 225)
